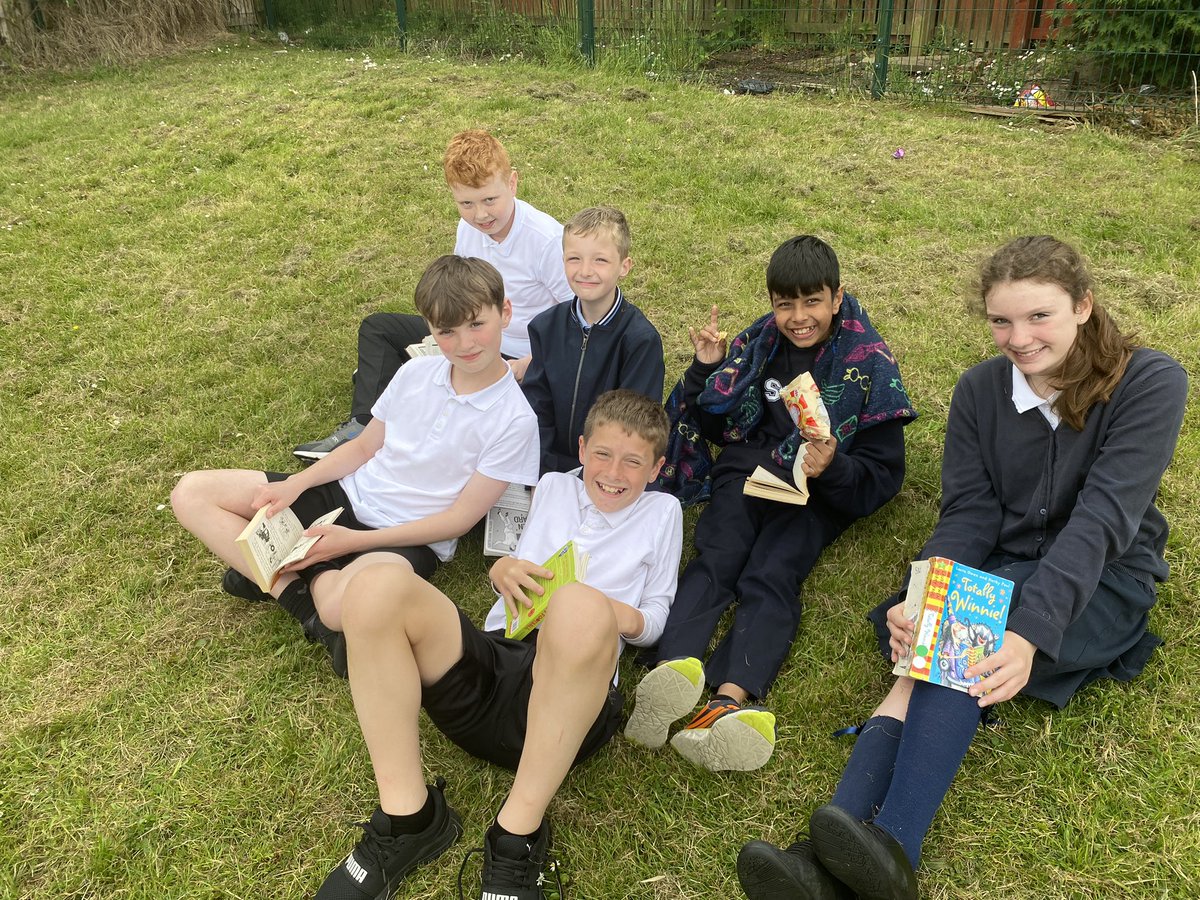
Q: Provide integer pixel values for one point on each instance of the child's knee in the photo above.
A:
(188, 492)
(579, 619)
(373, 599)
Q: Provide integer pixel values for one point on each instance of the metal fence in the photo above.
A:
(1049, 54)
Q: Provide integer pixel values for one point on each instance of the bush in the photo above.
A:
(1136, 41)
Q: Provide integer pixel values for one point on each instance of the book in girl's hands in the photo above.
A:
(960, 613)
(269, 545)
(568, 565)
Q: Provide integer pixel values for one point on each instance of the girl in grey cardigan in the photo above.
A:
(1054, 452)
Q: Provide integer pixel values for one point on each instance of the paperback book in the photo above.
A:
(568, 565)
(802, 398)
(960, 614)
(506, 520)
(269, 545)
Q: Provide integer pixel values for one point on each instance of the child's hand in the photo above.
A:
(519, 366)
(336, 540)
(513, 577)
(818, 457)
(276, 496)
(902, 631)
(1010, 667)
(710, 343)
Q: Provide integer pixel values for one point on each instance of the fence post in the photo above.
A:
(269, 12)
(402, 21)
(883, 46)
(587, 30)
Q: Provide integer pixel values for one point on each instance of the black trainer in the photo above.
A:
(380, 860)
(235, 583)
(334, 641)
(516, 869)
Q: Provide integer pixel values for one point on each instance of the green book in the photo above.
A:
(567, 566)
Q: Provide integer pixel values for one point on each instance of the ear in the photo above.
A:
(626, 265)
(1083, 309)
(505, 313)
(512, 181)
(837, 300)
(657, 468)
(581, 449)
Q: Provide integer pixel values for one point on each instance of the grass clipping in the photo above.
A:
(105, 32)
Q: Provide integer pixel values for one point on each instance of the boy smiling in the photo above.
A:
(538, 706)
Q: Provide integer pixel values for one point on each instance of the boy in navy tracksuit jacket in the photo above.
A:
(598, 342)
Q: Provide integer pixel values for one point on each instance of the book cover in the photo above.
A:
(960, 613)
(506, 520)
(269, 545)
(567, 566)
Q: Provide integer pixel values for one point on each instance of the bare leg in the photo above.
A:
(330, 588)
(214, 505)
(572, 671)
(735, 692)
(402, 633)
(895, 704)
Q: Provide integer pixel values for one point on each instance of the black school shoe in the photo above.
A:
(769, 873)
(380, 860)
(318, 632)
(862, 855)
(515, 868)
(235, 583)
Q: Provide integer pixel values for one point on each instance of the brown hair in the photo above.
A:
(1097, 360)
(454, 289)
(607, 220)
(634, 412)
(473, 157)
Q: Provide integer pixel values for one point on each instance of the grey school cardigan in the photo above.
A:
(1075, 501)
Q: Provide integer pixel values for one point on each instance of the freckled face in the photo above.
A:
(489, 207)
(617, 466)
(807, 320)
(1035, 325)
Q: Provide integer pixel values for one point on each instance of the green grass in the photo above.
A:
(186, 249)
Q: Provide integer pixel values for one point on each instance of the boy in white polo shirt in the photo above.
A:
(522, 242)
(538, 706)
(449, 434)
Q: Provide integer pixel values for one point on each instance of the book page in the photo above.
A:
(304, 544)
(267, 543)
(427, 347)
(506, 520)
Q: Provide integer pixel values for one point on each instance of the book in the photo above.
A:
(568, 565)
(764, 484)
(269, 545)
(802, 398)
(506, 520)
(426, 347)
(960, 614)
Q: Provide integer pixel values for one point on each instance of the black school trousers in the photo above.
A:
(756, 553)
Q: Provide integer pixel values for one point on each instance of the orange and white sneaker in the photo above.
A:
(725, 736)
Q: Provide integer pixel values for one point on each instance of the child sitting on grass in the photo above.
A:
(538, 706)
(753, 551)
(448, 435)
(1054, 452)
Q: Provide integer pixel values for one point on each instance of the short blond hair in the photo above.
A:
(606, 220)
(453, 289)
(473, 157)
(636, 413)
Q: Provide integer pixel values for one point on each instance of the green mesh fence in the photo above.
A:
(1049, 54)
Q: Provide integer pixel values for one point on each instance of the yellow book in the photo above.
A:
(567, 566)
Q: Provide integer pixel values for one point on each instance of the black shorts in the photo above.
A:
(482, 703)
(317, 501)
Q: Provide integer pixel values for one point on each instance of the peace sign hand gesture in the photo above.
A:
(710, 343)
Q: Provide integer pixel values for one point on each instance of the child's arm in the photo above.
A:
(341, 462)
(513, 577)
(858, 481)
(659, 590)
(641, 367)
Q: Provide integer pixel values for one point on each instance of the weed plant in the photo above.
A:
(186, 250)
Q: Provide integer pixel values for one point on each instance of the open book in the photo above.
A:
(960, 613)
(802, 398)
(568, 565)
(427, 347)
(270, 544)
(506, 520)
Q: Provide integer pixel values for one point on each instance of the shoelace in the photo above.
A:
(517, 870)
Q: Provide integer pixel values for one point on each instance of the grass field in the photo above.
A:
(186, 249)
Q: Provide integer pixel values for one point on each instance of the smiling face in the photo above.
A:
(617, 466)
(473, 347)
(807, 320)
(593, 266)
(489, 207)
(1035, 325)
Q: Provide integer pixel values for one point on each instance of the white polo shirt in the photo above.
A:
(435, 440)
(1024, 399)
(633, 553)
(530, 260)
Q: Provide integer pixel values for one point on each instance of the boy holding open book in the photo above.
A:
(755, 551)
(448, 435)
(538, 706)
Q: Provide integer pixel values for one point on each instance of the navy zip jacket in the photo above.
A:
(572, 366)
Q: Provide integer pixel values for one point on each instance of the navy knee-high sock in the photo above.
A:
(938, 729)
(868, 773)
(297, 601)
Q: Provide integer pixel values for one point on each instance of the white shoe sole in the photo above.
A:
(664, 696)
(730, 745)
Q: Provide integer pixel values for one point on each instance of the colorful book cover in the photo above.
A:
(960, 614)
(563, 564)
